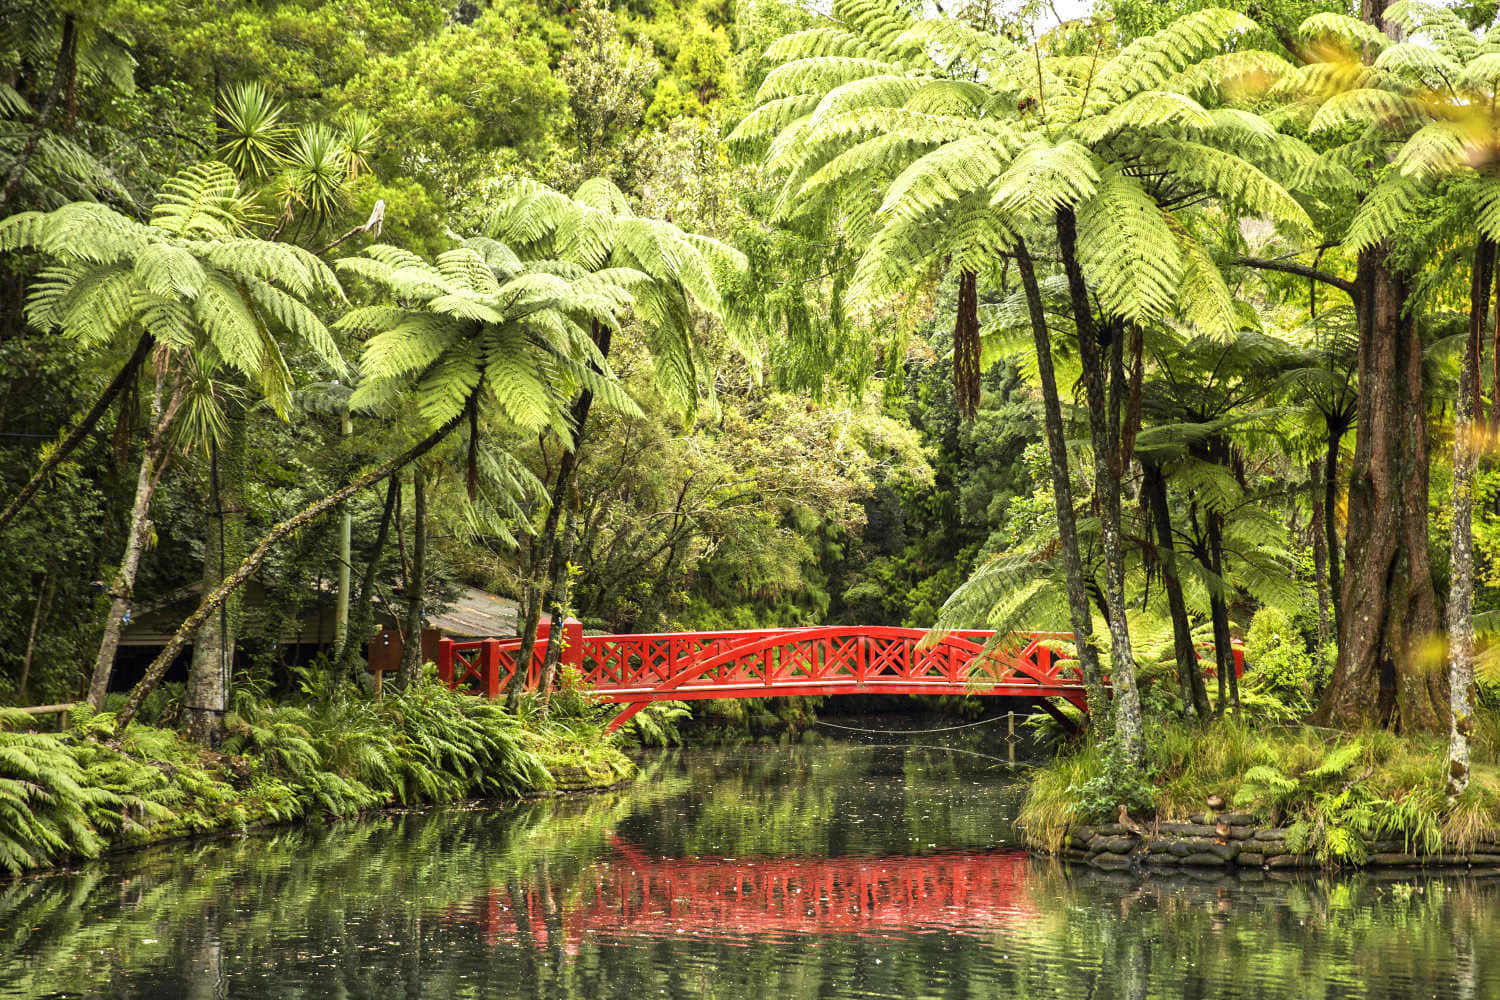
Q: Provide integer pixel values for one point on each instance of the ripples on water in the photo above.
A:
(823, 871)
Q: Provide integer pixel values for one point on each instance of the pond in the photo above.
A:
(831, 870)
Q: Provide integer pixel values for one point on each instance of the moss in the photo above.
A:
(1336, 792)
(76, 794)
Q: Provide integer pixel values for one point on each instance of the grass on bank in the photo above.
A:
(1335, 792)
(76, 794)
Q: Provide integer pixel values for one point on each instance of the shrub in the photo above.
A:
(1282, 678)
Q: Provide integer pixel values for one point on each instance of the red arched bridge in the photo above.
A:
(958, 892)
(636, 670)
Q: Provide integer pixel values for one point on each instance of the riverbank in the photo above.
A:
(1233, 795)
(77, 794)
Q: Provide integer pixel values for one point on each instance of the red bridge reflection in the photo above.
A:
(634, 894)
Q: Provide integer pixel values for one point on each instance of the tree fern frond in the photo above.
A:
(1128, 250)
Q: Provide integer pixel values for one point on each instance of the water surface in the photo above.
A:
(792, 872)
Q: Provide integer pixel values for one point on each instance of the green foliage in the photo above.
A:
(1279, 665)
(332, 754)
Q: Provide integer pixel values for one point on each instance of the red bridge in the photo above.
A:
(635, 670)
(952, 892)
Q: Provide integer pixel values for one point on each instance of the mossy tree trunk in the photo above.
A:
(1189, 672)
(1386, 674)
(154, 459)
(1109, 461)
(1468, 415)
(1062, 493)
(416, 583)
(363, 616)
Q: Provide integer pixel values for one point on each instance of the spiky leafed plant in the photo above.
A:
(596, 230)
(476, 328)
(1109, 153)
(190, 287)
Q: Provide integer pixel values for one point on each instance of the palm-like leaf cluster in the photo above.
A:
(192, 278)
(596, 231)
(481, 324)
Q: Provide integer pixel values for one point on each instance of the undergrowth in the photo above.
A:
(1334, 792)
(330, 754)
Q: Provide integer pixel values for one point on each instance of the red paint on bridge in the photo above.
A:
(636, 670)
(635, 894)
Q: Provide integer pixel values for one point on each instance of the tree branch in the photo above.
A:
(1302, 270)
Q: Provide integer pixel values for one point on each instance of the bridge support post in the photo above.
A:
(445, 661)
(572, 652)
(625, 716)
(492, 668)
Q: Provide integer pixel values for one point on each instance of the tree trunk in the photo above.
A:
(213, 649)
(1320, 514)
(416, 584)
(1386, 674)
(1467, 416)
(1218, 606)
(153, 464)
(346, 559)
(1331, 521)
(1108, 466)
(1062, 494)
(43, 600)
(1189, 673)
(544, 550)
(251, 563)
(966, 346)
(557, 610)
(62, 78)
(364, 612)
(80, 430)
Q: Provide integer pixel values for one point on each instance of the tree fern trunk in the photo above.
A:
(416, 584)
(1467, 416)
(1218, 605)
(213, 648)
(1189, 673)
(251, 563)
(1107, 461)
(153, 464)
(1062, 494)
(1330, 521)
(557, 611)
(966, 346)
(543, 564)
(1320, 515)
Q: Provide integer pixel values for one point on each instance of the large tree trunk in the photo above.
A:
(1062, 493)
(1386, 673)
(213, 649)
(153, 464)
(1189, 673)
(1104, 424)
(364, 611)
(416, 583)
(1467, 416)
(542, 566)
(966, 346)
(251, 563)
(80, 430)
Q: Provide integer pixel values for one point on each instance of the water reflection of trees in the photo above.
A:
(487, 903)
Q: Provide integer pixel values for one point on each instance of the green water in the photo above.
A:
(824, 871)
